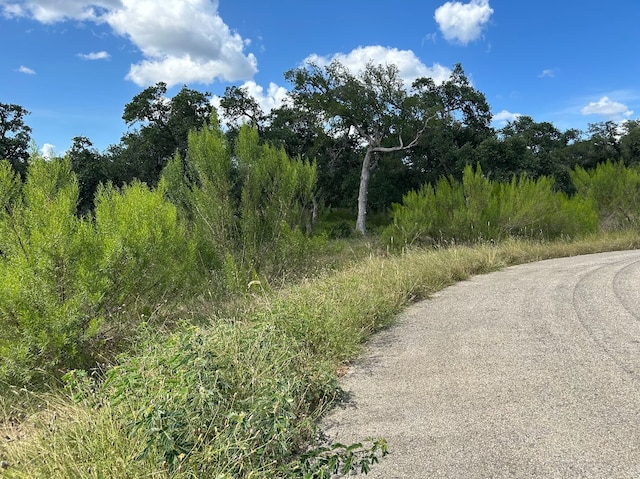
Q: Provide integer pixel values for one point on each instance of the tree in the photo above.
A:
(630, 142)
(90, 169)
(237, 104)
(161, 126)
(15, 137)
(376, 109)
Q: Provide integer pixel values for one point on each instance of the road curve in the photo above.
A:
(533, 371)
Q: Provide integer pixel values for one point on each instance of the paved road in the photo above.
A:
(531, 372)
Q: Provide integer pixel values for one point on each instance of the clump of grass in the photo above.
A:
(67, 439)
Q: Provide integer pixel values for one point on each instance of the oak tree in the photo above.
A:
(376, 109)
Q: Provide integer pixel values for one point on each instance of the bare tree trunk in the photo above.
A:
(361, 222)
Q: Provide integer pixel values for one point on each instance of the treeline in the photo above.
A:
(415, 135)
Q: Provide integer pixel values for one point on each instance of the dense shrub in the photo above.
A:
(71, 289)
(479, 209)
(614, 191)
(248, 207)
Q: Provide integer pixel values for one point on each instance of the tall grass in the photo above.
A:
(241, 397)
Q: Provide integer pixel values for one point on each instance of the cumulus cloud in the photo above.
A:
(409, 65)
(547, 73)
(505, 116)
(181, 41)
(463, 22)
(607, 108)
(274, 97)
(26, 70)
(48, 151)
(95, 56)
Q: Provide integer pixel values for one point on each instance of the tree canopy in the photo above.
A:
(15, 136)
(382, 114)
(372, 137)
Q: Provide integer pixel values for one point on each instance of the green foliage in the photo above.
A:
(66, 282)
(247, 210)
(144, 252)
(324, 462)
(202, 187)
(276, 193)
(41, 296)
(15, 136)
(480, 209)
(614, 190)
(223, 401)
(242, 398)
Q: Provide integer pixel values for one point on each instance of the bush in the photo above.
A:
(614, 191)
(67, 283)
(481, 210)
(248, 216)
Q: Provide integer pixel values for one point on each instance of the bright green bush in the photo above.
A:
(67, 284)
(248, 208)
(275, 192)
(614, 190)
(41, 297)
(479, 210)
(530, 208)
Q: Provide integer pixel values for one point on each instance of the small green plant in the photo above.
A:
(326, 461)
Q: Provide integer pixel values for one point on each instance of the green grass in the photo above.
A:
(241, 393)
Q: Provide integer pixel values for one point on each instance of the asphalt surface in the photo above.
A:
(530, 372)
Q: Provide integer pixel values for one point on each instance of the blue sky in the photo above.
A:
(74, 64)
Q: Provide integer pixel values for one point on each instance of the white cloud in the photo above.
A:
(274, 97)
(12, 10)
(547, 73)
(409, 65)
(181, 40)
(607, 108)
(47, 11)
(26, 70)
(504, 116)
(48, 151)
(463, 22)
(95, 56)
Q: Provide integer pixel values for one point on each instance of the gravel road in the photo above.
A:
(533, 371)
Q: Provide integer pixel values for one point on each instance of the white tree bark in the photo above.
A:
(365, 174)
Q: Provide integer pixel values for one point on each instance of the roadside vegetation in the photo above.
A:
(216, 382)
(184, 306)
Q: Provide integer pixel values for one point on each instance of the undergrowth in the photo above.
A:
(242, 395)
